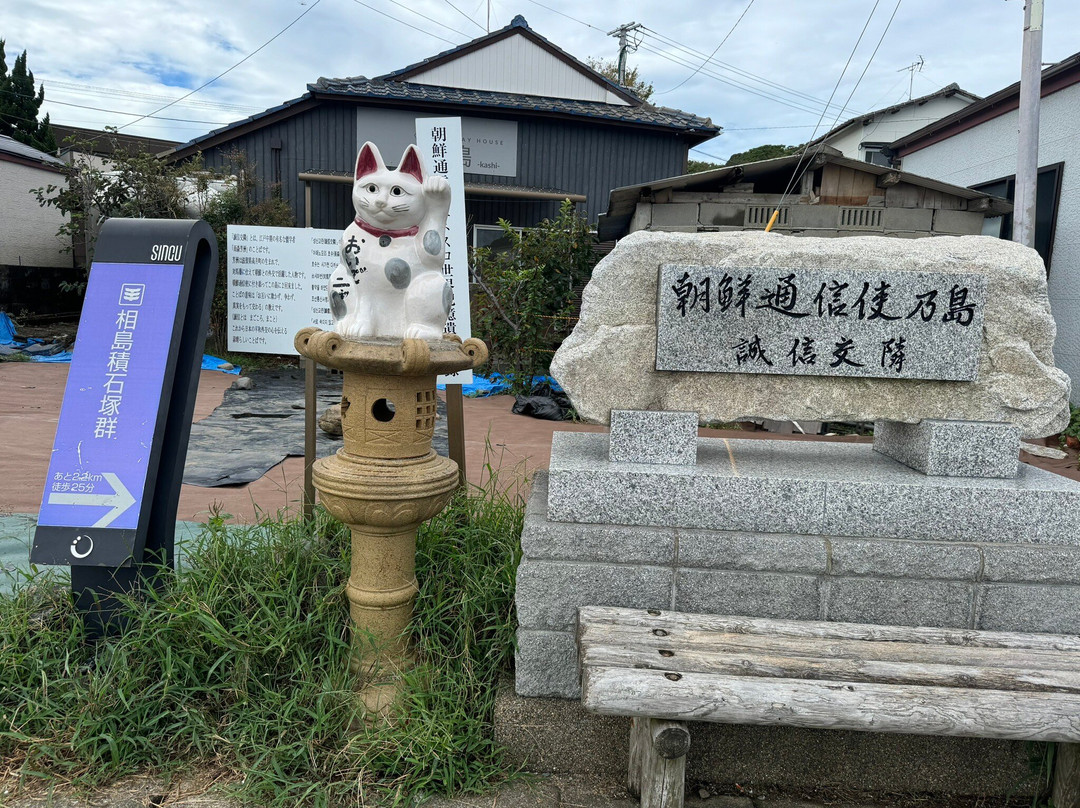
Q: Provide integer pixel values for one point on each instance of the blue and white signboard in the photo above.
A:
(112, 407)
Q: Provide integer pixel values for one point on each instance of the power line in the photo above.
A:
(229, 70)
(869, 61)
(711, 55)
(722, 65)
(90, 89)
(698, 54)
(120, 112)
(802, 107)
(796, 174)
(466, 16)
(408, 24)
(429, 19)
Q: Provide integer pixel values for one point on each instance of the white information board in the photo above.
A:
(277, 280)
(439, 142)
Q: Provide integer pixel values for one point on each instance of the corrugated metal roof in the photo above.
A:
(9, 145)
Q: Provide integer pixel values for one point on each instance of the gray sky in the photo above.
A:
(121, 56)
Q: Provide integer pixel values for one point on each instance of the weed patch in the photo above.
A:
(242, 662)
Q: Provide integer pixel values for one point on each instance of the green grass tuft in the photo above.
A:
(242, 663)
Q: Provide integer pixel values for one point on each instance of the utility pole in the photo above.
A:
(623, 32)
(1027, 147)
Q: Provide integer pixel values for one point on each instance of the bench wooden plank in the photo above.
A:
(734, 663)
(831, 705)
(601, 615)
(654, 637)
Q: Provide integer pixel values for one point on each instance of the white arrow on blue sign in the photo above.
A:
(117, 502)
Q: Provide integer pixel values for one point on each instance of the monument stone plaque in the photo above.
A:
(820, 322)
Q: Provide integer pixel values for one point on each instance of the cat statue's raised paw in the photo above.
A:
(390, 281)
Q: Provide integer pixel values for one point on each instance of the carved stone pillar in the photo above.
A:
(384, 482)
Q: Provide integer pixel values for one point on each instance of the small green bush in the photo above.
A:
(530, 294)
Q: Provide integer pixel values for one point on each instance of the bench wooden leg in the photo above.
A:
(657, 770)
(1066, 776)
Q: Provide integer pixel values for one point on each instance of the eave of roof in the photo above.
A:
(407, 92)
(1054, 78)
(237, 128)
(623, 201)
(15, 151)
(945, 92)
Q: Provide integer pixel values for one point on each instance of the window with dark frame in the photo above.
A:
(1047, 197)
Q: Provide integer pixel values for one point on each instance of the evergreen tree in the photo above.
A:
(19, 106)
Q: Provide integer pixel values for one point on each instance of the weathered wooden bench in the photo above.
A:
(666, 668)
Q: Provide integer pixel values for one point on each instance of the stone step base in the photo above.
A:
(812, 488)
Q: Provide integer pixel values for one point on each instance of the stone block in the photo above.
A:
(958, 222)
(810, 488)
(759, 552)
(913, 219)
(721, 214)
(1036, 506)
(901, 603)
(952, 448)
(1030, 607)
(718, 493)
(642, 436)
(823, 217)
(546, 664)
(550, 592)
(905, 559)
(642, 218)
(675, 213)
(676, 228)
(754, 594)
(701, 326)
(542, 539)
(1031, 564)
(609, 362)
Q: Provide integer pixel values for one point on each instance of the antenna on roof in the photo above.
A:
(913, 68)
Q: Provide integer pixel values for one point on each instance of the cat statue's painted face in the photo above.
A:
(389, 199)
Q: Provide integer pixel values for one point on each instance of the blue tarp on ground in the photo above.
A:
(7, 329)
(497, 384)
(7, 337)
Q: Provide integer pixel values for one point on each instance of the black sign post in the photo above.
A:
(110, 499)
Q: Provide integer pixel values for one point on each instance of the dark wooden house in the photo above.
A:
(539, 127)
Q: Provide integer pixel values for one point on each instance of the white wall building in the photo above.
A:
(863, 137)
(976, 148)
(27, 230)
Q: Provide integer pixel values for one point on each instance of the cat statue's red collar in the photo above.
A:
(375, 231)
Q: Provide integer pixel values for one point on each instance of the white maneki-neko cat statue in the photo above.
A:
(390, 282)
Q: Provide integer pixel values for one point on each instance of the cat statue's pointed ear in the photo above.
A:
(411, 163)
(369, 161)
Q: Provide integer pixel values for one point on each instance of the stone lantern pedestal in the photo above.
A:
(384, 482)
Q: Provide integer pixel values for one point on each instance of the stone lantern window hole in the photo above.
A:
(383, 410)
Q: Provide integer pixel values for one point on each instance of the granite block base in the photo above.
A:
(810, 488)
(1021, 581)
(641, 436)
(952, 448)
